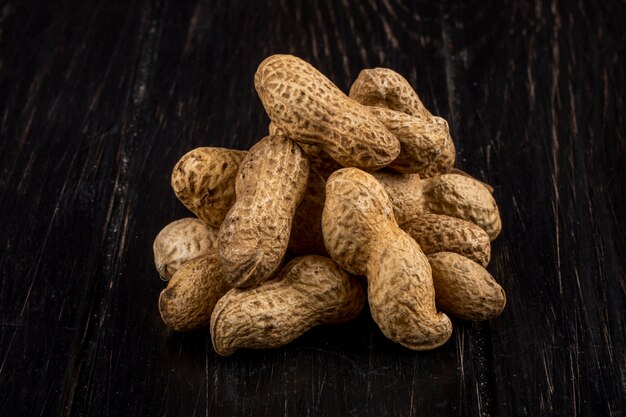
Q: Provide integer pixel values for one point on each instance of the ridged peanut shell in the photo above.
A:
(270, 184)
(464, 198)
(188, 301)
(405, 191)
(310, 109)
(440, 233)
(203, 180)
(362, 236)
(383, 87)
(181, 241)
(426, 147)
(307, 292)
(465, 289)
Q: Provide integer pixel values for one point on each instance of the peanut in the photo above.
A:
(462, 197)
(361, 235)
(454, 195)
(181, 241)
(204, 181)
(254, 236)
(458, 171)
(307, 292)
(465, 289)
(188, 301)
(438, 233)
(310, 109)
(425, 144)
(405, 191)
(383, 87)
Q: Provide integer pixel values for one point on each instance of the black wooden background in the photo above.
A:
(99, 99)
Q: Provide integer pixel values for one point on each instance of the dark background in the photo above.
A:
(99, 99)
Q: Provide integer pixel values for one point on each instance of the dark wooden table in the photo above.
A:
(99, 99)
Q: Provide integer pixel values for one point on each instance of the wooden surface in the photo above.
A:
(98, 100)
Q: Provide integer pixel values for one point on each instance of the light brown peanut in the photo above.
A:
(405, 191)
(204, 181)
(462, 197)
(454, 195)
(310, 109)
(426, 147)
(458, 171)
(181, 241)
(308, 291)
(361, 235)
(465, 289)
(254, 236)
(188, 301)
(440, 233)
(383, 87)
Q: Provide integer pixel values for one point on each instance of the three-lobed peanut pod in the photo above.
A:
(270, 184)
(465, 289)
(188, 301)
(308, 291)
(310, 109)
(362, 236)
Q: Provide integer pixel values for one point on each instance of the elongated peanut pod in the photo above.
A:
(204, 181)
(440, 233)
(362, 236)
(426, 147)
(405, 192)
(181, 241)
(465, 289)
(310, 109)
(458, 171)
(308, 291)
(254, 236)
(188, 301)
(453, 195)
(383, 87)
(462, 197)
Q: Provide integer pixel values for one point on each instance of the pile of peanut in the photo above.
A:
(343, 187)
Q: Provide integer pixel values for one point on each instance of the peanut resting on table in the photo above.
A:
(368, 182)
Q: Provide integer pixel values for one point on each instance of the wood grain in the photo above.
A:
(98, 100)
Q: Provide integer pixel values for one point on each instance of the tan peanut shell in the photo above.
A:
(181, 241)
(383, 87)
(362, 236)
(426, 147)
(462, 197)
(188, 301)
(465, 289)
(440, 233)
(453, 195)
(405, 191)
(319, 160)
(458, 171)
(306, 236)
(308, 291)
(310, 109)
(254, 236)
(204, 179)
